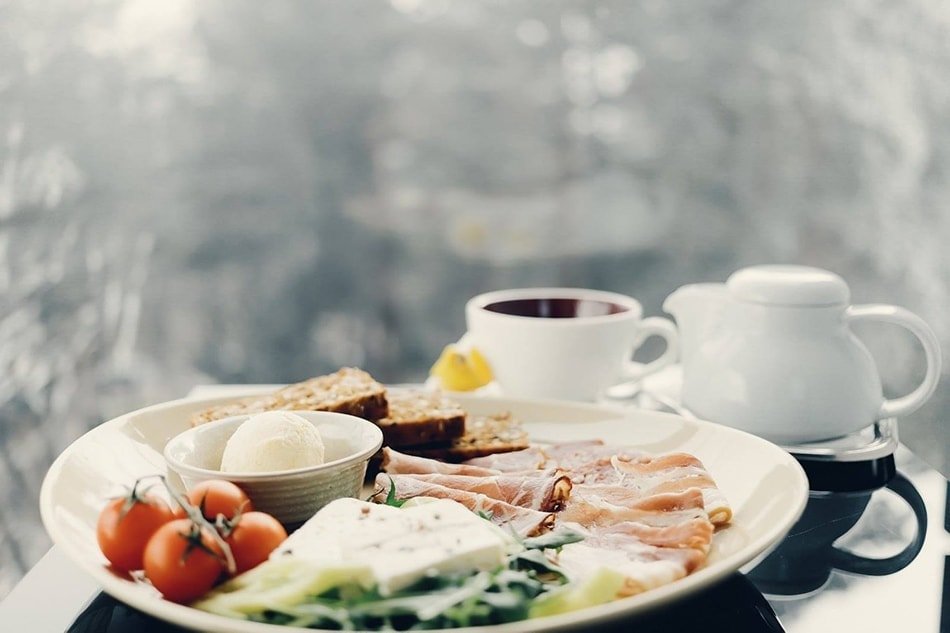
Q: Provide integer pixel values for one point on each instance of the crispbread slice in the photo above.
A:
(421, 417)
(484, 435)
(349, 390)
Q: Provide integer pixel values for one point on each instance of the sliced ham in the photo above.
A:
(567, 456)
(528, 459)
(656, 510)
(649, 545)
(644, 566)
(545, 490)
(617, 495)
(695, 533)
(598, 472)
(639, 552)
(596, 464)
(648, 464)
(575, 455)
(397, 463)
(523, 521)
(672, 472)
(650, 517)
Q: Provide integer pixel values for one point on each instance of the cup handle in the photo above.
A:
(654, 326)
(849, 562)
(899, 316)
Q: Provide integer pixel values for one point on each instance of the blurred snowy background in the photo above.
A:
(246, 191)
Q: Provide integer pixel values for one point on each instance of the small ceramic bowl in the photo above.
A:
(291, 496)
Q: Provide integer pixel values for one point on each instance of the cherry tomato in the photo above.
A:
(255, 536)
(125, 526)
(183, 561)
(216, 496)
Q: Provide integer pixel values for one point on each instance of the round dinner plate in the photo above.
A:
(765, 486)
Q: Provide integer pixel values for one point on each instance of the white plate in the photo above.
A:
(765, 485)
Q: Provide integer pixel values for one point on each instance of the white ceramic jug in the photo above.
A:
(771, 352)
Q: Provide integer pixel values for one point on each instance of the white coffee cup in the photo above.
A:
(564, 343)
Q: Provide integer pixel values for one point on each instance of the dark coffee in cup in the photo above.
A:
(555, 308)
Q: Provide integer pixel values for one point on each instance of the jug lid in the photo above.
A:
(801, 286)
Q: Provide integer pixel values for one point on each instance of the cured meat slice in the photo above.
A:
(672, 472)
(656, 540)
(545, 490)
(626, 493)
(397, 463)
(596, 464)
(695, 533)
(576, 455)
(645, 566)
(651, 517)
(616, 495)
(656, 510)
(528, 459)
(567, 456)
(523, 521)
(599, 472)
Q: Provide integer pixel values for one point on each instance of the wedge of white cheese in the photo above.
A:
(399, 545)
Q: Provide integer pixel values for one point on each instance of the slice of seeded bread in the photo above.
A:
(484, 435)
(421, 417)
(348, 390)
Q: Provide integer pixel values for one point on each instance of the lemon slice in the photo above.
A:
(459, 371)
(480, 366)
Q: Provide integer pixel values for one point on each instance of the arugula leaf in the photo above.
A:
(437, 601)
(391, 499)
(553, 540)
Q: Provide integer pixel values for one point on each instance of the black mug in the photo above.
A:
(804, 560)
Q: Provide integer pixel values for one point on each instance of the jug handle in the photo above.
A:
(899, 316)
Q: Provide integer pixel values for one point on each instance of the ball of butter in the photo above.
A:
(273, 441)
